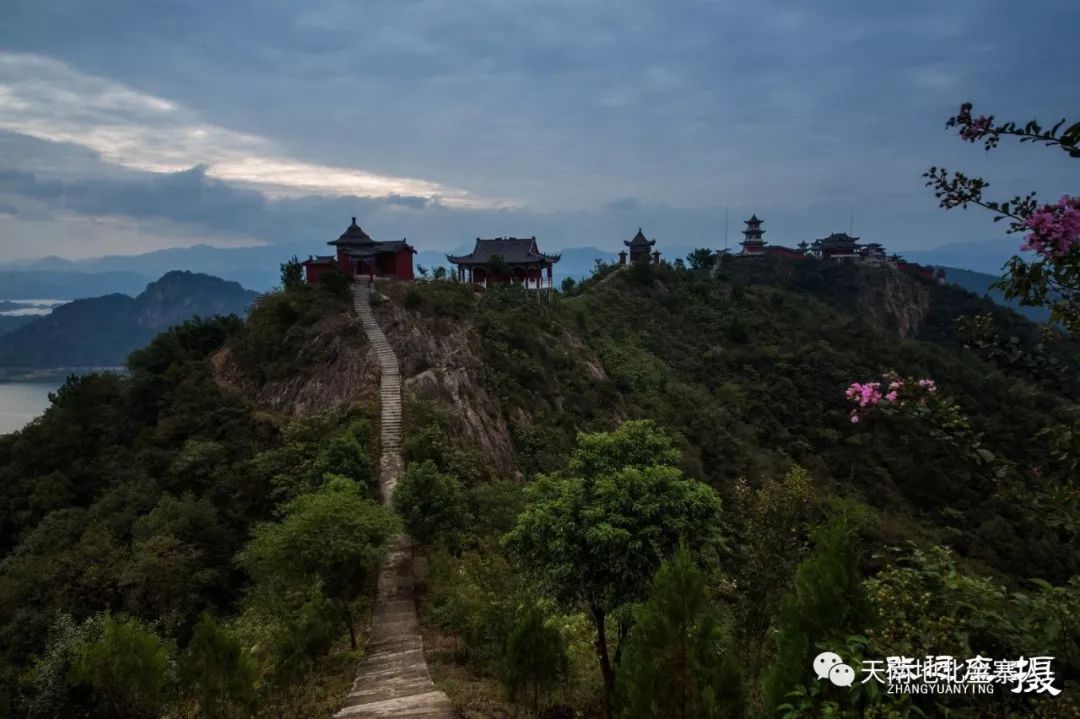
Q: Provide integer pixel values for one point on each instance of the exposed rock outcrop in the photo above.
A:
(441, 360)
(894, 299)
(335, 367)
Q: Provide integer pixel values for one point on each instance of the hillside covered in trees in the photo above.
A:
(648, 491)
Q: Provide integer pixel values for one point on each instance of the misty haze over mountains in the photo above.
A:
(257, 267)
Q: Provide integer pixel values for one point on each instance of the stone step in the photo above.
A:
(393, 679)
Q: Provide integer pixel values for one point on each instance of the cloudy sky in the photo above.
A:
(128, 126)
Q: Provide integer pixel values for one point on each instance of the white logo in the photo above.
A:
(829, 665)
(842, 675)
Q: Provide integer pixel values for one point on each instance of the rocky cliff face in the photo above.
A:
(895, 299)
(441, 361)
(335, 368)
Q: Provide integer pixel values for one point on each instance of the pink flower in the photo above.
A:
(863, 395)
(976, 129)
(971, 129)
(891, 396)
(928, 385)
(1055, 229)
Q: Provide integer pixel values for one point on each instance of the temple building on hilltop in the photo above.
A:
(873, 252)
(641, 250)
(754, 244)
(505, 260)
(359, 255)
(838, 246)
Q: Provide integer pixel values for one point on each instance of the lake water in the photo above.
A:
(21, 402)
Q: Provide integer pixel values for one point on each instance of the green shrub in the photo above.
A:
(129, 669)
(216, 671)
(333, 537)
(535, 657)
(432, 505)
(827, 603)
(346, 456)
(680, 660)
(336, 284)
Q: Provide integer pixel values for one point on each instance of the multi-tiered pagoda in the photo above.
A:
(754, 242)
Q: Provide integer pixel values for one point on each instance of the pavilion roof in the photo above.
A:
(639, 240)
(512, 250)
(353, 235)
(837, 239)
(376, 248)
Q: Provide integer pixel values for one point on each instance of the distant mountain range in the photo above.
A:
(980, 283)
(102, 331)
(258, 267)
(40, 284)
(987, 256)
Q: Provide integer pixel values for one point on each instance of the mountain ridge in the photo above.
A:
(102, 331)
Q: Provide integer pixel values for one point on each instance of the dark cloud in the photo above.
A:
(598, 117)
(19, 182)
(407, 201)
(187, 197)
(626, 204)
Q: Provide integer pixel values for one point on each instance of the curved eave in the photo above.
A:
(546, 259)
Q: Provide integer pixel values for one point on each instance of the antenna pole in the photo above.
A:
(726, 207)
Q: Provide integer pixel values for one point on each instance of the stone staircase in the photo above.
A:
(393, 679)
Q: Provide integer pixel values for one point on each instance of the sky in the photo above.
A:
(128, 126)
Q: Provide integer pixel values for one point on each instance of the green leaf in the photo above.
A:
(1070, 136)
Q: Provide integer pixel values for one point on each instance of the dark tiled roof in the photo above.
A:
(375, 248)
(639, 240)
(320, 260)
(513, 250)
(753, 220)
(837, 239)
(353, 235)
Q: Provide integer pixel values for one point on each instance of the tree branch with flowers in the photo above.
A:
(1052, 278)
(918, 400)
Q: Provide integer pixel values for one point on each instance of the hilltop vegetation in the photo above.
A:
(180, 514)
(746, 372)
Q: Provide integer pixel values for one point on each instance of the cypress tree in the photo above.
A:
(535, 657)
(678, 660)
(827, 603)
